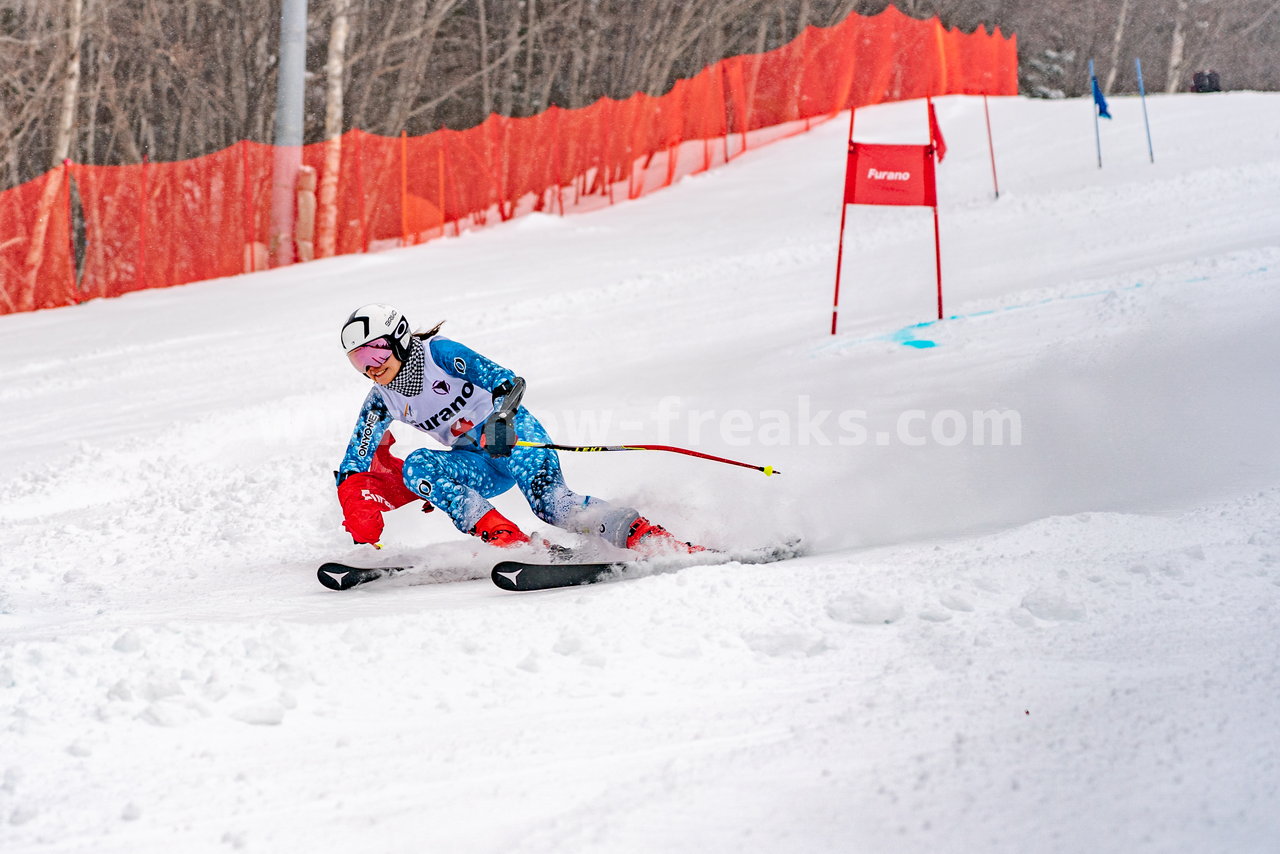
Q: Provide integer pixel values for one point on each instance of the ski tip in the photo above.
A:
(331, 575)
(339, 576)
(335, 576)
(507, 575)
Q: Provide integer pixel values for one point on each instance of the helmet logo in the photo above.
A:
(362, 326)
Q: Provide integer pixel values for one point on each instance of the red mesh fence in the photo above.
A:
(91, 231)
(37, 269)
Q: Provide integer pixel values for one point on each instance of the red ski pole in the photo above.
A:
(768, 470)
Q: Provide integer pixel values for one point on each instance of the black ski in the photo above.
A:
(344, 576)
(562, 571)
(520, 576)
(340, 576)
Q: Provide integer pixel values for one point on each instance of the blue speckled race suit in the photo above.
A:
(445, 389)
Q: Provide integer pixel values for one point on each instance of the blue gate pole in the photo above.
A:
(1143, 92)
(1097, 134)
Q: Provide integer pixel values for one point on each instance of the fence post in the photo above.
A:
(247, 250)
(73, 245)
(404, 188)
(364, 205)
(141, 277)
(440, 182)
(724, 106)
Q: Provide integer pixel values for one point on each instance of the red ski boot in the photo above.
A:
(650, 539)
(497, 530)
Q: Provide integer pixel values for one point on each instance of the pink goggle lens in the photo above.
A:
(371, 355)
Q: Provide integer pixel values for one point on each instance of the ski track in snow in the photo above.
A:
(1062, 645)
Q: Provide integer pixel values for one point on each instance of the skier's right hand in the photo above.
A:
(499, 434)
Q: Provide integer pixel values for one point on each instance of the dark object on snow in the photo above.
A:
(1206, 81)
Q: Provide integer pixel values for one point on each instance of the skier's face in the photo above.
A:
(384, 373)
(375, 361)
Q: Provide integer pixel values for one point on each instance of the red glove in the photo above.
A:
(363, 505)
(365, 496)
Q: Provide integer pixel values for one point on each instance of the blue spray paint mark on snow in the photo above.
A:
(908, 335)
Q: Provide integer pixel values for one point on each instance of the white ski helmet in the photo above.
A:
(378, 320)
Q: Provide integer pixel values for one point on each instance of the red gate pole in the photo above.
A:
(932, 177)
(937, 255)
(991, 146)
(844, 210)
(835, 304)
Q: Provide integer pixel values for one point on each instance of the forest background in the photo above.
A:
(109, 82)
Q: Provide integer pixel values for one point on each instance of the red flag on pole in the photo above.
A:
(935, 133)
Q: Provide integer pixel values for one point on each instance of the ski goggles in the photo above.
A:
(371, 355)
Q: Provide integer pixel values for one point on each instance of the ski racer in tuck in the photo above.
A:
(471, 405)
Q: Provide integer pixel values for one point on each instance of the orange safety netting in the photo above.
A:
(160, 224)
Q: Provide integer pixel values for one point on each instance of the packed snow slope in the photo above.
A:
(1039, 610)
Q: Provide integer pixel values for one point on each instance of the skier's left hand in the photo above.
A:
(363, 503)
(365, 496)
(499, 434)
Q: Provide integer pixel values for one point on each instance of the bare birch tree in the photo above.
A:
(1177, 47)
(1117, 43)
(334, 72)
(61, 144)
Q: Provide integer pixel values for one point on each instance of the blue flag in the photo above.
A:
(1099, 100)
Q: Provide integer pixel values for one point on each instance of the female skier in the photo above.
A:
(471, 405)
